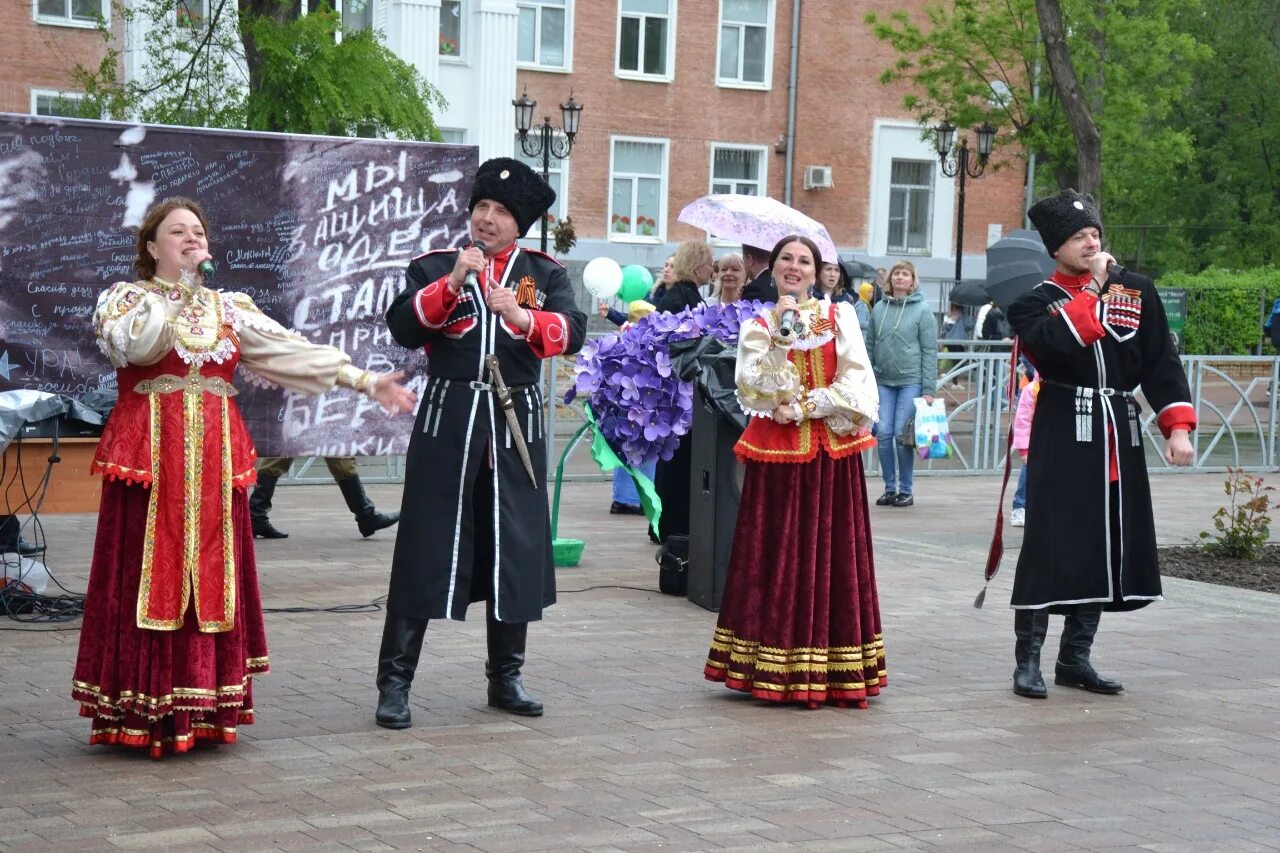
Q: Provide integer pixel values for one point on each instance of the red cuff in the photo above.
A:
(434, 303)
(1176, 416)
(548, 333)
(1081, 316)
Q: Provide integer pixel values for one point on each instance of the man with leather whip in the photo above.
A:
(474, 518)
(1095, 333)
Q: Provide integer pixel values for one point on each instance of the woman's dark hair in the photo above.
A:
(145, 265)
(796, 238)
(844, 284)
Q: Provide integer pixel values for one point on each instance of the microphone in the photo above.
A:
(470, 277)
(787, 323)
(206, 269)
(1116, 271)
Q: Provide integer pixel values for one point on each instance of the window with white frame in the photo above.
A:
(738, 170)
(356, 15)
(557, 178)
(453, 135)
(638, 189)
(80, 13)
(910, 206)
(49, 103)
(746, 36)
(645, 38)
(544, 33)
(451, 28)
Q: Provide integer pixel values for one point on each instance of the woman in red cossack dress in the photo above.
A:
(172, 632)
(800, 619)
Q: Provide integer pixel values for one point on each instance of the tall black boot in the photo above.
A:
(1029, 626)
(506, 656)
(368, 519)
(260, 508)
(1073, 668)
(397, 661)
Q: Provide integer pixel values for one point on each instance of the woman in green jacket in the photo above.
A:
(902, 341)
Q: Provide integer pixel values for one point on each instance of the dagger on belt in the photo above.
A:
(508, 406)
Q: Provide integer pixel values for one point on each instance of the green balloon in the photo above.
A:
(636, 283)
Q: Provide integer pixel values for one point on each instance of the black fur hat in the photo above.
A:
(516, 187)
(1060, 216)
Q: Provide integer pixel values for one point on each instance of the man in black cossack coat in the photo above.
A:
(1094, 335)
(473, 525)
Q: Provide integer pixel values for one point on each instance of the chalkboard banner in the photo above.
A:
(317, 230)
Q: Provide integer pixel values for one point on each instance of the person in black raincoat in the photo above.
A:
(474, 527)
(1095, 333)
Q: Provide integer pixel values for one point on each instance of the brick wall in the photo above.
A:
(840, 98)
(41, 56)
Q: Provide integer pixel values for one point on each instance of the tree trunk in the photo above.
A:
(279, 11)
(1084, 129)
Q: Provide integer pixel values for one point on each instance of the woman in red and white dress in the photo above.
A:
(800, 618)
(173, 632)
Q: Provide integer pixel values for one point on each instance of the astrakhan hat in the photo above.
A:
(1060, 216)
(516, 187)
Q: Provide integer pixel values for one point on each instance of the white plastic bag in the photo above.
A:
(933, 435)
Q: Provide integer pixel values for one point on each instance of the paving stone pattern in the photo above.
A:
(638, 752)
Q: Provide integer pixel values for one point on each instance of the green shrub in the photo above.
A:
(1244, 527)
(1225, 308)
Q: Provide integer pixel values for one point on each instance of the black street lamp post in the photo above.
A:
(955, 161)
(545, 143)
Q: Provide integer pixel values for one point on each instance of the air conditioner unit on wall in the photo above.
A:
(817, 177)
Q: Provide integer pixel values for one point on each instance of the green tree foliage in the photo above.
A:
(974, 60)
(193, 69)
(1226, 206)
(259, 65)
(353, 87)
(1225, 308)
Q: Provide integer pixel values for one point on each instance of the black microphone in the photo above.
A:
(786, 324)
(470, 277)
(206, 269)
(1116, 271)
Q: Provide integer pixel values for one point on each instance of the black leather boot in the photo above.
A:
(1029, 626)
(506, 656)
(1073, 668)
(260, 508)
(368, 519)
(12, 540)
(397, 660)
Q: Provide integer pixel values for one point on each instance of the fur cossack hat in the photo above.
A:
(516, 187)
(1060, 216)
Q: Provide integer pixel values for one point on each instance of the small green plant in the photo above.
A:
(1244, 526)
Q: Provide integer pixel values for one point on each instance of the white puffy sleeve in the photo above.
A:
(852, 399)
(764, 375)
(272, 356)
(131, 326)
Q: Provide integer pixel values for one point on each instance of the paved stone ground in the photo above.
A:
(638, 752)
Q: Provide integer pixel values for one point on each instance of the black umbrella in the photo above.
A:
(1008, 281)
(1015, 264)
(970, 291)
(1019, 245)
(858, 269)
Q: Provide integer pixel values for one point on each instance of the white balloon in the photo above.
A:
(602, 278)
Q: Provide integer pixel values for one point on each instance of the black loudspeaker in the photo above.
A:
(714, 489)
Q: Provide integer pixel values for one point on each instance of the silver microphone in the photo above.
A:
(787, 323)
(470, 277)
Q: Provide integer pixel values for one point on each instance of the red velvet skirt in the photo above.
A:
(800, 618)
(164, 691)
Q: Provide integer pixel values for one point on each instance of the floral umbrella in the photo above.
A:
(756, 221)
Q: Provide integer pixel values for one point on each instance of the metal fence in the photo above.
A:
(1235, 399)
